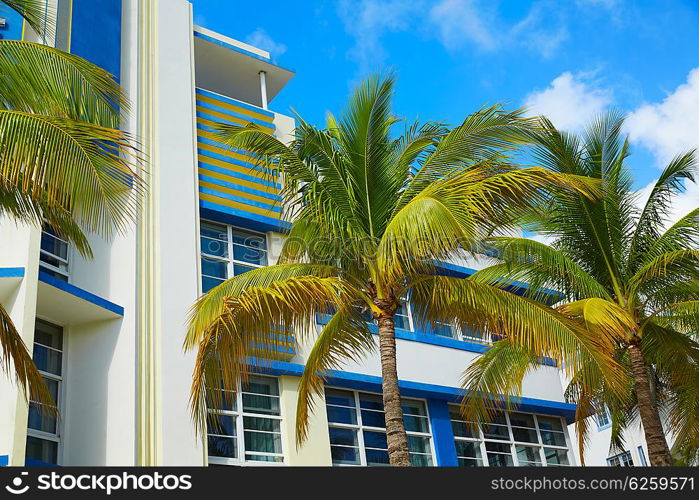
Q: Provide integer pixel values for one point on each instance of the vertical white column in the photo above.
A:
(263, 88)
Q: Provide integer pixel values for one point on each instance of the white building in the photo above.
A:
(108, 332)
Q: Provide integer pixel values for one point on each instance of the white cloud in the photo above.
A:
(367, 21)
(261, 39)
(569, 102)
(543, 29)
(671, 126)
(460, 21)
(456, 24)
(682, 203)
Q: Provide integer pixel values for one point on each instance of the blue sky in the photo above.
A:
(569, 59)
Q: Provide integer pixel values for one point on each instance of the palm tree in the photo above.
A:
(372, 214)
(63, 161)
(622, 273)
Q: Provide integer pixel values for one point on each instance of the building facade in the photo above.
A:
(107, 333)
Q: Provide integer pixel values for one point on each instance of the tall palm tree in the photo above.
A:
(372, 214)
(63, 161)
(623, 273)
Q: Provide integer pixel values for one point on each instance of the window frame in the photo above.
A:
(359, 427)
(60, 430)
(624, 459)
(64, 267)
(607, 419)
(230, 261)
(239, 414)
(481, 440)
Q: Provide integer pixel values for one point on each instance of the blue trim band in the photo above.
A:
(11, 272)
(238, 175)
(238, 187)
(240, 199)
(30, 462)
(372, 383)
(239, 50)
(229, 215)
(235, 102)
(233, 114)
(428, 337)
(80, 293)
(442, 433)
(516, 287)
(4, 460)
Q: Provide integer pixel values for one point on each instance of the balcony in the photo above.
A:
(232, 187)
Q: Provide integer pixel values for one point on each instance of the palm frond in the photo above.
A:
(16, 362)
(493, 382)
(250, 317)
(656, 212)
(88, 170)
(67, 87)
(526, 323)
(345, 337)
(539, 266)
(37, 13)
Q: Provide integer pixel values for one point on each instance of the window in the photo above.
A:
(404, 317)
(521, 439)
(358, 430)
(604, 419)
(227, 251)
(621, 460)
(642, 456)
(247, 428)
(43, 433)
(53, 256)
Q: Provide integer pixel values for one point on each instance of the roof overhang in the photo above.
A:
(67, 304)
(232, 68)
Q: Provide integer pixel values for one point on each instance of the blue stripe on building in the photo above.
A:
(234, 102)
(80, 293)
(13, 24)
(96, 33)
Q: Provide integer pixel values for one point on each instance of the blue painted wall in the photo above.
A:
(13, 24)
(96, 33)
(444, 447)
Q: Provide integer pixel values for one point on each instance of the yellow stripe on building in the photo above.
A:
(252, 170)
(236, 180)
(235, 109)
(223, 116)
(239, 206)
(236, 192)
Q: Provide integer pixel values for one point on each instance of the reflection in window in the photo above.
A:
(227, 251)
(514, 438)
(358, 430)
(247, 426)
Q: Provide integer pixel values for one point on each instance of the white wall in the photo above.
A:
(177, 228)
(19, 247)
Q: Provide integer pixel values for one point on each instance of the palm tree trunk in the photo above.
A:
(658, 451)
(398, 454)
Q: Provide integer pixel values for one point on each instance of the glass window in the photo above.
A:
(642, 456)
(53, 254)
(228, 252)
(357, 429)
(259, 424)
(403, 318)
(43, 432)
(604, 419)
(515, 438)
(621, 460)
